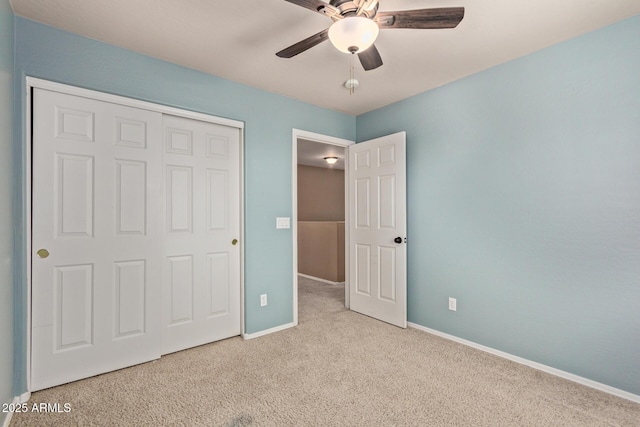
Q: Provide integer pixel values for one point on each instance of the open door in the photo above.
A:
(378, 228)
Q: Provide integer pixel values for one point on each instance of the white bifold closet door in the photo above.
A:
(97, 240)
(201, 273)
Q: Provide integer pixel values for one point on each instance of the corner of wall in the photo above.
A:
(7, 63)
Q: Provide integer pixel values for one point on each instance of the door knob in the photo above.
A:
(234, 242)
(398, 240)
(42, 253)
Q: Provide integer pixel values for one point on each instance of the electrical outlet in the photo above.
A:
(263, 300)
(452, 304)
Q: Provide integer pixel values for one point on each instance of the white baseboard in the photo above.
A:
(23, 398)
(268, 331)
(317, 279)
(535, 365)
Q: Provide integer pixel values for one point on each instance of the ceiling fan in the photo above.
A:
(356, 24)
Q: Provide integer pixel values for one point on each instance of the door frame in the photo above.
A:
(329, 140)
(31, 83)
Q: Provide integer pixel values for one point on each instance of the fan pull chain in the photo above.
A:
(352, 87)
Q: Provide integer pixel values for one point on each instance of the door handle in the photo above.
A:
(42, 253)
(398, 240)
(234, 242)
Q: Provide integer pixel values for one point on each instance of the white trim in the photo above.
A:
(535, 365)
(318, 279)
(347, 219)
(32, 82)
(294, 223)
(23, 398)
(324, 139)
(268, 331)
(241, 238)
(130, 102)
(28, 231)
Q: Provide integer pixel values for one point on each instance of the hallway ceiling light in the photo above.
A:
(331, 160)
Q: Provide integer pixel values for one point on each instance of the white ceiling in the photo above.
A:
(238, 39)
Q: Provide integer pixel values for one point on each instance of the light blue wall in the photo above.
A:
(51, 54)
(6, 204)
(524, 204)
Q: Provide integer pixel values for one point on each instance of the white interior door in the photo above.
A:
(378, 228)
(202, 233)
(96, 293)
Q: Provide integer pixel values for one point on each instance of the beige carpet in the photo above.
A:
(337, 368)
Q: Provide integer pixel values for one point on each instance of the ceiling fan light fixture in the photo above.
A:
(331, 160)
(353, 34)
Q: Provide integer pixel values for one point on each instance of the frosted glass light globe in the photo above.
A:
(353, 34)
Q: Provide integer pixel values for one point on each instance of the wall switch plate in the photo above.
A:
(452, 304)
(263, 300)
(283, 222)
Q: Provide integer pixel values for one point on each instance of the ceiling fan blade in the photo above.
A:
(370, 58)
(318, 6)
(303, 45)
(446, 17)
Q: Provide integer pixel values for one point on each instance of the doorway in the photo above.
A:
(323, 231)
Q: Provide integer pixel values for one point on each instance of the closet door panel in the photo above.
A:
(96, 237)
